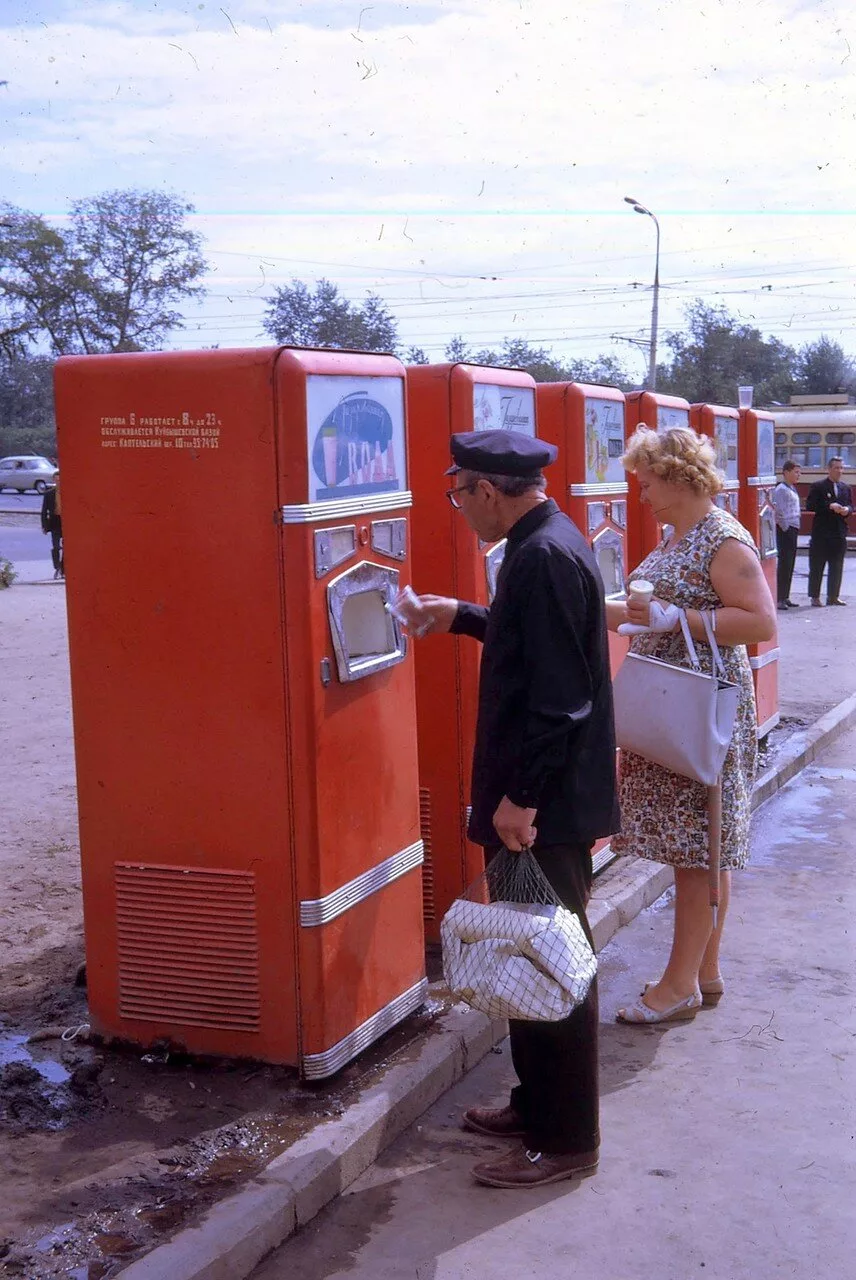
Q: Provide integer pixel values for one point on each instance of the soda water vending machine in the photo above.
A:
(586, 423)
(721, 424)
(244, 708)
(650, 409)
(448, 559)
(758, 479)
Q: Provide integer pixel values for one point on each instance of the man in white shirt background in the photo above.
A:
(786, 502)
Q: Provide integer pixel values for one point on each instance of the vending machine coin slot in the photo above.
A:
(366, 637)
(492, 564)
(389, 538)
(333, 547)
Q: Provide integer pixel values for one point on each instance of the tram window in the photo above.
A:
(841, 437)
(814, 458)
(847, 454)
(782, 456)
(781, 437)
(806, 437)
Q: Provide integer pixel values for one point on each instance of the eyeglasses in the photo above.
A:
(451, 494)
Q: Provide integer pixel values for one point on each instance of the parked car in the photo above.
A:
(26, 471)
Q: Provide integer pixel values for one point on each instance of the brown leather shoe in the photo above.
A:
(496, 1122)
(535, 1168)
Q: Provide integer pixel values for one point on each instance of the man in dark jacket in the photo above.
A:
(832, 503)
(52, 524)
(543, 768)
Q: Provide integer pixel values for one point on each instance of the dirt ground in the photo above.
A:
(104, 1153)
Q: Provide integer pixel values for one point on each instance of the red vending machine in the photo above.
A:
(448, 559)
(721, 423)
(586, 424)
(758, 479)
(236, 523)
(658, 412)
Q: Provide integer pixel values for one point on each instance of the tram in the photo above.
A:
(810, 431)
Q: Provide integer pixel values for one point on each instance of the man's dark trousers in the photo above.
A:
(823, 551)
(786, 545)
(556, 1062)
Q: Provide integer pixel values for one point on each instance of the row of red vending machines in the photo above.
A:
(272, 779)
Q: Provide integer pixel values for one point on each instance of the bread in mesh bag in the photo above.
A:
(532, 962)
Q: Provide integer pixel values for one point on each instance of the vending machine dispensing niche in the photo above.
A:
(244, 705)
(448, 559)
(758, 479)
(659, 412)
(720, 423)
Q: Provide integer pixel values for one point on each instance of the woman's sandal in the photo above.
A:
(711, 992)
(639, 1014)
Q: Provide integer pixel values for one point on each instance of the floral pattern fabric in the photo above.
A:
(664, 815)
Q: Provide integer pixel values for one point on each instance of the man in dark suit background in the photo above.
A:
(832, 503)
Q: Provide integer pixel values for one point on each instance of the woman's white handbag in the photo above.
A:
(681, 718)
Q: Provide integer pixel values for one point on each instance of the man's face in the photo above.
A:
(793, 477)
(478, 502)
(835, 469)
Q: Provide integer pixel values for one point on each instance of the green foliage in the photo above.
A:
(321, 317)
(7, 572)
(822, 368)
(415, 355)
(716, 354)
(109, 282)
(26, 406)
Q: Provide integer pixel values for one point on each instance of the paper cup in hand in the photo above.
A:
(640, 591)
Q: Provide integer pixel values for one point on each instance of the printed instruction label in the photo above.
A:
(187, 431)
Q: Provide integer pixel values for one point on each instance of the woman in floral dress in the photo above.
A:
(707, 561)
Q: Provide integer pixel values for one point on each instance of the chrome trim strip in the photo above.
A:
(764, 659)
(760, 482)
(340, 509)
(316, 1066)
(315, 911)
(585, 490)
(602, 859)
(764, 729)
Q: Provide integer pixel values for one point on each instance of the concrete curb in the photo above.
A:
(237, 1233)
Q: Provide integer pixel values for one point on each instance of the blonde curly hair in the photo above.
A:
(677, 455)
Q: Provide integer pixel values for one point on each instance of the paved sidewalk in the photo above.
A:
(729, 1143)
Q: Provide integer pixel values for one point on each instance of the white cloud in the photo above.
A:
(439, 110)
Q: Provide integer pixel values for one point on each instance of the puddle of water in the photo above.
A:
(13, 1048)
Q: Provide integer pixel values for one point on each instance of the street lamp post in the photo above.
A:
(655, 305)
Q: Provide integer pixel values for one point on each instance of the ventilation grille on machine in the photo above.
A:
(429, 906)
(188, 946)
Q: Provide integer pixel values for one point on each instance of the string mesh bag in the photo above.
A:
(511, 949)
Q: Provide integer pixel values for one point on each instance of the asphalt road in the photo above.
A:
(11, 502)
(29, 550)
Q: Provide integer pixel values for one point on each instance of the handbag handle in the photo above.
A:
(717, 663)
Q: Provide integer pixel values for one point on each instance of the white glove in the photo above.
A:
(661, 617)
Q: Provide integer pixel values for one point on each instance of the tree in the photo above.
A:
(109, 282)
(457, 351)
(823, 368)
(716, 354)
(321, 317)
(26, 405)
(415, 355)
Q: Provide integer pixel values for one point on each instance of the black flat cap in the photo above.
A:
(502, 453)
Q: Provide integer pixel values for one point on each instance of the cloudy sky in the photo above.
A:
(466, 159)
